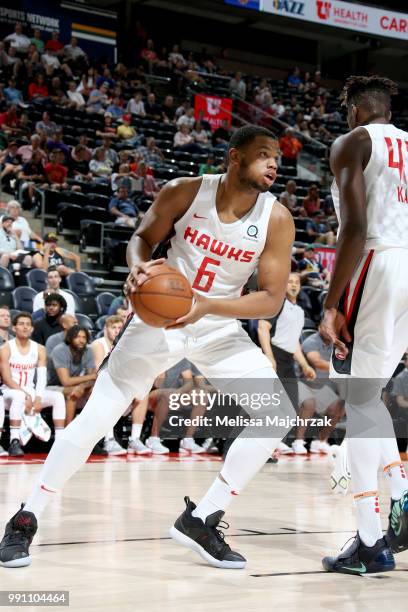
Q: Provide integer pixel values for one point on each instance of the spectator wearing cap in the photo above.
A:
(57, 256)
(127, 133)
(49, 323)
(54, 286)
(311, 270)
(10, 245)
(290, 148)
(98, 99)
(55, 171)
(11, 162)
(123, 208)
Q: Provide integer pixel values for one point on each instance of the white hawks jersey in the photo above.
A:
(23, 367)
(218, 258)
(386, 188)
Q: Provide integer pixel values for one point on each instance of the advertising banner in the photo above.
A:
(215, 109)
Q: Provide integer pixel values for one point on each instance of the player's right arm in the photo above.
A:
(170, 205)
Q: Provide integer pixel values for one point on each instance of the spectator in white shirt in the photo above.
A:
(72, 52)
(136, 105)
(76, 99)
(187, 118)
(53, 286)
(21, 226)
(19, 41)
(51, 63)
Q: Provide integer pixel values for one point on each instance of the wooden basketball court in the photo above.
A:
(105, 540)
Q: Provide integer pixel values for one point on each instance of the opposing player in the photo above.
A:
(366, 311)
(224, 227)
(22, 361)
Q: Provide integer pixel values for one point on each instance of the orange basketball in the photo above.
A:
(163, 298)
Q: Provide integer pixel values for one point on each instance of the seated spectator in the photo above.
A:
(237, 86)
(32, 61)
(55, 172)
(290, 148)
(75, 98)
(110, 153)
(38, 89)
(187, 119)
(83, 140)
(125, 177)
(320, 231)
(12, 94)
(46, 125)
(108, 130)
(175, 57)
(18, 40)
(98, 99)
(288, 197)
(5, 326)
(106, 79)
(150, 187)
(72, 52)
(79, 164)
(57, 143)
(51, 63)
(222, 135)
(151, 153)
(26, 151)
(32, 175)
(183, 140)
(87, 83)
(36, 40)
(22, 229)
(11, 162)
(49, 324)
(72, 369)
(9, 122)
(311, 270)
(208, 167)
(127, 134)
(311, 203)
(136, 105)
(152, 108)
(149, 55)
(101, 166)
(200, 135)
(54, 286)
(168, 109)
(54, 44)
(115, 109)
(66, 321)
(123, 208)
(57, 256)
(294, 79)
(57, 95)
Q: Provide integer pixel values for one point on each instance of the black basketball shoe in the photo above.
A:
(15, 449)
(360, 559)
(397, 533)
(206, 538)
(17, 538)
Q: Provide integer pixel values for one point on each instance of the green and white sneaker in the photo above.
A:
(397, 533)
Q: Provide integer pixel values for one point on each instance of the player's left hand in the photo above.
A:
(200, 307)
(333, 329)
(309, 372)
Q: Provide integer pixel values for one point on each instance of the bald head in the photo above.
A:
(67, 321)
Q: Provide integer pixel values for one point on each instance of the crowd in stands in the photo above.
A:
(78, 135)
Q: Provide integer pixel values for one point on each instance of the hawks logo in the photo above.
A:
(323, 9)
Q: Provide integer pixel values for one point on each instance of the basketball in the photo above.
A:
(163, 298)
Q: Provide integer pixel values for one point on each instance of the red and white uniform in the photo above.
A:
(23, 366)
(217, 258)
(376, 300)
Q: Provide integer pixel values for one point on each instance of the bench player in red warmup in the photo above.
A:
(224, 227)
(366, 312)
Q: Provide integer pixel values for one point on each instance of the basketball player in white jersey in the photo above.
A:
(366, 311)
(21, 361)
(224, 227)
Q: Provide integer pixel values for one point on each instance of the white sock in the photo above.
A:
(218, 497)
(189, 439)
(397, 479)
(368, 519)
(136, 431)
(14, 433)
(154, 438)
(110, 435)
(57, 432)
(39, 498)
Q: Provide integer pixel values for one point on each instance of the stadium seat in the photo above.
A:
(79, 307)
(103, 301)
(100, 322)
(69, 218)
(82, 285)
(85, 321)
(23, 298)
(6, 287)
(37, 279)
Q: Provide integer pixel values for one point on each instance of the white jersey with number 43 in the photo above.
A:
(386, 188)
(23, 367)
(218, 258)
